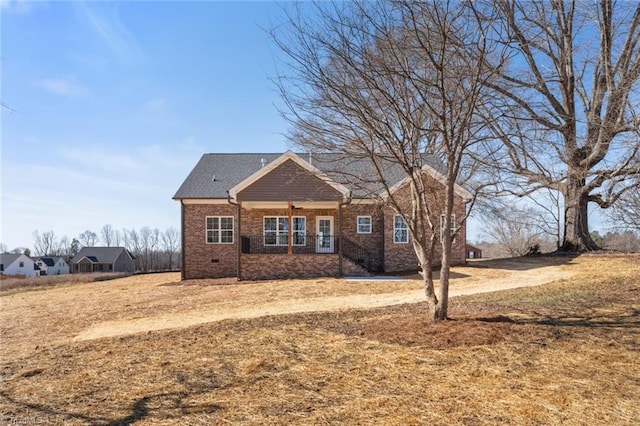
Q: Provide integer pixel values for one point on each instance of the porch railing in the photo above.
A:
(357, 253)
(278, 244)
(307, 244)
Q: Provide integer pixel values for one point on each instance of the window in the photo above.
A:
(364, 224)
(276, 230)
(299, 234)
(400, 230)
(22, 264)
(452, 227)
(219, 229)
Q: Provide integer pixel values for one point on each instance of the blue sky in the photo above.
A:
(114, 103)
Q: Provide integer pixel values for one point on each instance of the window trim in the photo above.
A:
(219, 229)
(396, 229)
(370, 225)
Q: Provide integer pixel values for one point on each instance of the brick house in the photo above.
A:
(268, 216)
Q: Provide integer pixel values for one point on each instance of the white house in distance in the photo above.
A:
(50, 265)
(17, 264)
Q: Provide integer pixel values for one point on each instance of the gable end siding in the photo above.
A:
(289, 182)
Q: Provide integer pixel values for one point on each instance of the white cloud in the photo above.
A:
(63, 87)
(21, 7)
(104, 19)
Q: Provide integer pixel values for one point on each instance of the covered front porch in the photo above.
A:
(296, 239)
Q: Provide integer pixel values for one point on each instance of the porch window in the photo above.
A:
(219, 229)
(364, 224)
(452, 227)
(299, 233)
(276, 230)
(400, 230)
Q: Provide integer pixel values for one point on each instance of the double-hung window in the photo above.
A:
(452, 227)
(363, 224)
(400, 230)
(219, 229)
(276, 230)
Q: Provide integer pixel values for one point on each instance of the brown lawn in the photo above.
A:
(561, 353)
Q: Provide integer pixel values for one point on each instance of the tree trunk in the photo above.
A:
(576, 219)
(425, 260)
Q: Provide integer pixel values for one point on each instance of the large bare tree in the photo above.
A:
(384, 83)
(566, 106)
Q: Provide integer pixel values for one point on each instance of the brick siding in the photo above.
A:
(202, 260)
(279, 266)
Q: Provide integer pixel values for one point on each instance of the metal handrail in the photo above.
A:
(278, 244)
(357, 253)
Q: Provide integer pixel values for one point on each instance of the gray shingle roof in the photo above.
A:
(7, 259)
(215, 174)
(100, 254)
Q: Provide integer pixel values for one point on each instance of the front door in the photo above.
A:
(324, 234)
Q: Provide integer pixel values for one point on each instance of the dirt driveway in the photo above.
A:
(478, 277)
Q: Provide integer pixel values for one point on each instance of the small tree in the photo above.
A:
(384, 83)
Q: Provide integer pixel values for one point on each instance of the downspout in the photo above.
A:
(239, 238)
(182, 264)
(345, 203)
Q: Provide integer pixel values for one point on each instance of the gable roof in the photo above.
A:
(263, 171)
(49, 261)
(215, 174)
(100, 254)
(7, 259)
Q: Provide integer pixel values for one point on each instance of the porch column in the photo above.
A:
(290, 230)
(340, 239)
(239, 241)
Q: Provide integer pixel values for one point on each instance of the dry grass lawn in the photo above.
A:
(562, 353)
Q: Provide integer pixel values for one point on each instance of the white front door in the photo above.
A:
(324, 234)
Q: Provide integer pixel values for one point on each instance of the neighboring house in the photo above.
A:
(17, 264)
(266, 216)
(103, 259)
(473, 252)
(50, 265)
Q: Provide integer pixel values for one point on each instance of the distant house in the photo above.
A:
(52, 265)
(473, 252)
(17, 264)
(103, 259)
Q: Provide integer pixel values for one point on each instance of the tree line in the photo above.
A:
(153, 249)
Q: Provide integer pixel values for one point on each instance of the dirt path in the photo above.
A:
(507, 279)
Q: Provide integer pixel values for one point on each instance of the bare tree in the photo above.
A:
(117, 238)
(88, 238)
(108, 235)
(134, 245)
(569, 98)
(516, 232)
(383, 83)
(625, 214)
(44, 244)
(4, 248)
(171, 244)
